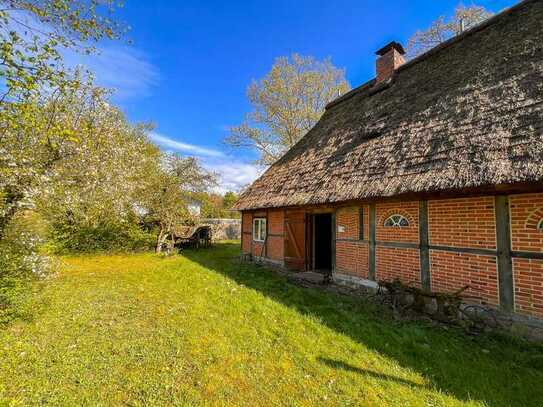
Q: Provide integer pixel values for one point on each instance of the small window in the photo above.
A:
(396, 221)
(540, 225)
(259, 229)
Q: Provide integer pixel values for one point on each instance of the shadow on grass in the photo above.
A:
(495, 370)
(340, 365)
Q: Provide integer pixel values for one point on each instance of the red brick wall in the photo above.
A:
(352, 258)
(258, 249)
(409, 210)
(247, 220)
(526, 212)
(275, 245)
(466, 222)
(366, 218)
(528, 280)
(348, 219)
(393, 262)
(246, 243)
(246, 233)
(276, 221)
(452, 271)
(397, 263)
(275, 248)
(462, 222)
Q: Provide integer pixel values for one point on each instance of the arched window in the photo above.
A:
(396, 221)
(540, 225)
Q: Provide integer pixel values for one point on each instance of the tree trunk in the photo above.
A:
(171, 244)
(159, 240)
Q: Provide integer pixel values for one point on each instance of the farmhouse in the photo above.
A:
(430, 173)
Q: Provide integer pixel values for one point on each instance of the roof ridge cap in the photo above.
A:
(438, 48)
(460, 37)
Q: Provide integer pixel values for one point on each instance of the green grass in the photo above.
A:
(203, 329)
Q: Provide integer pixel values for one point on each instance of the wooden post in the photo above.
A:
(371, 260)
(267, 232)
(361, 223)
(424, 254)
(251, 236)
(504, 262)
(242, 234)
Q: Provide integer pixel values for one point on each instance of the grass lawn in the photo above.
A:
(203, 329)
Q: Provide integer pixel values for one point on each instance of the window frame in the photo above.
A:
(260, 232)
(402, 217)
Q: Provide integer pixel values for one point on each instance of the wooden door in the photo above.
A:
(295, 238)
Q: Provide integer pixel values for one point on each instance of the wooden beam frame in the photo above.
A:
(372, 242)
(504, 262)
(424, 250)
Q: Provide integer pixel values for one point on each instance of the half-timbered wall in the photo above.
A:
(494, 244)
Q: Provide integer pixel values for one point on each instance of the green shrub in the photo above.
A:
(21, 263)
(77, 238)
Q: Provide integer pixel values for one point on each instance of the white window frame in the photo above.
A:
(259, 229)
(396, 224)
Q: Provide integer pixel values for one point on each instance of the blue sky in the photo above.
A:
(191, 61)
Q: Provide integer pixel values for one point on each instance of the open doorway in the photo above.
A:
(322, 242)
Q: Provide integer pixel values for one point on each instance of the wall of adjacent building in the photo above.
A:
(223, 229)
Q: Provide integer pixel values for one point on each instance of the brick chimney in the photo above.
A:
(391, 57)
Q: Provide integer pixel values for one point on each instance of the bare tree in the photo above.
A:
(287, 103)
(443, 29)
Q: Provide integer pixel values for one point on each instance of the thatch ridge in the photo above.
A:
(466, 115)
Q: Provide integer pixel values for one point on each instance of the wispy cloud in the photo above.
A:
(175, 145)
(127, 70)
(233, 174)
(123, 68)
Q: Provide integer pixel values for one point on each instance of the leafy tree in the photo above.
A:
(229, 199)
(211, 204)
(39, 130)
(165, 200)
(34, 34)
(215, 205)
(287, 103)
(93, 186)
(443, 29)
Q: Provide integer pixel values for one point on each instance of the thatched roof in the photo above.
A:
(465, 115)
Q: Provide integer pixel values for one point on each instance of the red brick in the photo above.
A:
(352, 258)
(348, 219)
(463, 222)
(528, 282)
(526, 212)
(393, 263)
(409, 210)
(452, 271)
